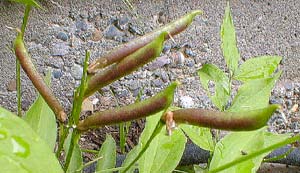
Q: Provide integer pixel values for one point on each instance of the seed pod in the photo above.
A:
(234, 121)
(124, 50)
(134, 111)
(126, 66)
(37, 80)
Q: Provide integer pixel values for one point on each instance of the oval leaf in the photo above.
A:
(229, 48)
(211, 73)
(107, 154)
(164, 153)
(22, 149)
(257, 68)
(42, 119)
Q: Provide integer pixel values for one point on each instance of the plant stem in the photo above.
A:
(256, 153)
(18, 65)
(74, 139)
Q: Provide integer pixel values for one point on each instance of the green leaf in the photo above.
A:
(42, 119)
(151, 123)
(76, 162)
(254, 94)
(201, 136)
(108, 154)
(229, 46)
(257, 68)
(21, 149)
(210, 72)
(28, 2)
(164, 153)
(231, 148)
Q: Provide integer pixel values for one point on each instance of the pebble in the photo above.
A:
(81, 25)
(111, 32)
(157, 83)
(62, 36)
(96, 35)
(11, 86)
(159, 62)
(76, 71)
(161, 17)
(57, 74)
(134, 85)
(135, 30)
(190, 62)
(60, 49)
(178, 58)
(166, 48)
(190, 53)
(122, 23)
(186, 102)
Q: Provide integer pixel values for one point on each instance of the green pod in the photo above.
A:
(37, 79)
(126, 66)
(124, 50)
(131, 112)
(234, 121)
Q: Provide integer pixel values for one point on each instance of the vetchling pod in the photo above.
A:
(37, 80)
(124, 50)
(134, 111)
(234, 121)
(125, 66)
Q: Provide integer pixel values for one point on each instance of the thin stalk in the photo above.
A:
(90, 151)
(110, 170)
(18, 65)
(256, 153)
(89, 163)
(74, 139)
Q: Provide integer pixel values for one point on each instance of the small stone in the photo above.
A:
(134, 85)
(289, 103)
(111, 32)
(164, 76)
(294, 108)
(159, 62)
(178, 58)
(76, 72)
(166, 48)
(62, 36)
(289, 94)
(57, 74)
(97, 35)
(288, 86)
(59, 49)
(190, 62)
(122, 23)
(81, 25)
(135, 30)
(157, 83)
(161, 18)
(186, 102)
(12, 85)
(190, 53)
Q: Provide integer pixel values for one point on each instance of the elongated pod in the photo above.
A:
(126, 66)
(124, 50)
(134, 111)
(37, 80)
(234, 121)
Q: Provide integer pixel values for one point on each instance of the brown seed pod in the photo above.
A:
(134, 111)
(234, 121)
(124, 50)
(37, 80)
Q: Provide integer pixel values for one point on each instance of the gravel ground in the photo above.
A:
(58, 36)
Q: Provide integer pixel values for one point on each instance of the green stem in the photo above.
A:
(74, 139)
(18, 65)
(256, 153)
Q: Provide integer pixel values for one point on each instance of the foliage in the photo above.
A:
(29, 145)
